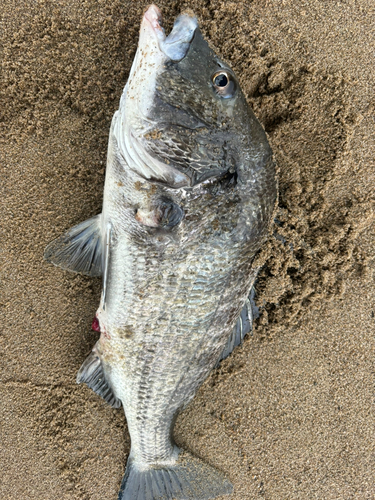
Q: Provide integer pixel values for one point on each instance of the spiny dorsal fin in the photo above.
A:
(79, 249)
(92, 374)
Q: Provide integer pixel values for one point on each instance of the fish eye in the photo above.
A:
(224, 84)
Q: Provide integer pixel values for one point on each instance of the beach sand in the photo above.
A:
(290, 414)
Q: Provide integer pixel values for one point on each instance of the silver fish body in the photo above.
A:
(189, 193)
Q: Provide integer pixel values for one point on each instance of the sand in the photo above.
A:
(290, 415)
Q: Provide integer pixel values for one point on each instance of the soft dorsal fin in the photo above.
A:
(79, 249)
(243, 326)
(92, 374)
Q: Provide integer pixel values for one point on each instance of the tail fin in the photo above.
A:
(188, 479)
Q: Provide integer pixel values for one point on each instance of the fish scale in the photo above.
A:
(149, 380)
(189, 193)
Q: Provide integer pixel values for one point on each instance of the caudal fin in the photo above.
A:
(188, 479)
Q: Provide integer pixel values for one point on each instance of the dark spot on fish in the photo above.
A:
(154, 134)
(138, 185)
(171, 214)
(126, 332)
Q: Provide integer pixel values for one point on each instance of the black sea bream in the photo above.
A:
(189, 193)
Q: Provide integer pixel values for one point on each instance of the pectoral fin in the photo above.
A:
(92, 374)
(79, 249)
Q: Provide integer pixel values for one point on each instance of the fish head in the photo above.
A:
(183, 117)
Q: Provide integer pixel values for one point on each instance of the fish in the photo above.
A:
(190, 189)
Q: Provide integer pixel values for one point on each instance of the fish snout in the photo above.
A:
(152, 22)
(176, 45)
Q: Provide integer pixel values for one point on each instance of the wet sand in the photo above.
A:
(291, 413)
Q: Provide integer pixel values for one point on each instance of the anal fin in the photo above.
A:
(243, 326)
(92, 374)
(79, 249)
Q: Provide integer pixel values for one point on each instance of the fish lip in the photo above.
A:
(176, 45)
(154, 18)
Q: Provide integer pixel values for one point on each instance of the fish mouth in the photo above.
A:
(135, 118)
(176, 45)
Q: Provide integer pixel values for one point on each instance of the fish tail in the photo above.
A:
(189, 478)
